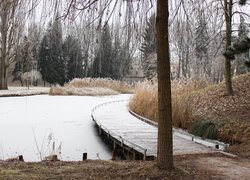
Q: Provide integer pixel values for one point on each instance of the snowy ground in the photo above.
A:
(25, 121)
(24, 91)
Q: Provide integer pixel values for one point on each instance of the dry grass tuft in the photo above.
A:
(92, 87)
(144, 102)
(87, 91)
(182, 92)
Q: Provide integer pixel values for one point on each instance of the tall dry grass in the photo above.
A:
(101, 82)
(92, 87)
(145, 102)
(182, 92)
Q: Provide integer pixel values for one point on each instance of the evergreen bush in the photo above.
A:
(205, 129)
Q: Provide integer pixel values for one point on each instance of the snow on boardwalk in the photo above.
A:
(115, 119)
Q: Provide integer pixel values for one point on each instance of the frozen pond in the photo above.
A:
(41, 125)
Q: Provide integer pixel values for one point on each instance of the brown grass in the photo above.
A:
(144, 102)
(185, 168)
(193, 102)
(85, 91)
(92, 87)
(182, 91)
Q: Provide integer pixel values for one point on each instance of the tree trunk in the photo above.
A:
(86, 65)
(3, 30)
(165, 136)
(228, 78)
(228, 18)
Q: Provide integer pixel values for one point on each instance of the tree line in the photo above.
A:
(197, 45)
(59, 60)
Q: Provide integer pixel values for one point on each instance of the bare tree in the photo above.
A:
(181, 41)
(228, 14)
(11, 17)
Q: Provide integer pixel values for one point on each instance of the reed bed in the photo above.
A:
(145, 102)
(92, 87)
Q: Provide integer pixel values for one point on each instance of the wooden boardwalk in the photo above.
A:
(138, 137)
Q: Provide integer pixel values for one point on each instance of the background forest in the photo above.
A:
(55, 42)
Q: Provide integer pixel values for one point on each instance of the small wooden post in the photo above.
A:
(54, 158)
(100, 130)
(144, 155)
(114, 151)
(134, 155)
(84, 156)
(20, 158)
(122, 143)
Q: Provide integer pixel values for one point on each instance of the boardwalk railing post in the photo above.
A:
(133, 154)
(114, 151)
(122, 143)
(100, 130)
(145, 153)
(108, 134)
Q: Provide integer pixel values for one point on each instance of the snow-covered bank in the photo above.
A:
(24, 91)
(65, 120)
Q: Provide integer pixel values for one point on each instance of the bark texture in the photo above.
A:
(228, 17)
(165, 137)
(3, 54)
(10, 32)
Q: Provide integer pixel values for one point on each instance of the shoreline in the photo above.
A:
(13, 91)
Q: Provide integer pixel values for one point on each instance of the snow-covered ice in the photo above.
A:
(67, 118)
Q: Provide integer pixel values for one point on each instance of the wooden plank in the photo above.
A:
(115, 119)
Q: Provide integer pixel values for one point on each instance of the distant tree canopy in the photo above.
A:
(73, 58)
(109, 56)
(23, 60)
(118, 55)
(148, 45)
(51, 63)
(102, 66)
(148, 49)
(201, 45)
(56, 56)
(43, 61)
(59, 61)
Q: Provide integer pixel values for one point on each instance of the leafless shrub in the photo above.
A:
(31, 77)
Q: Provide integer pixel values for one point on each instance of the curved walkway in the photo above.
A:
(115, 119)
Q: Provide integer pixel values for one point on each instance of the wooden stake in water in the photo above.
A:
(84, 156)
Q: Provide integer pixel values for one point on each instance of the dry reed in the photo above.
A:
(92, 87)
(144, 102)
